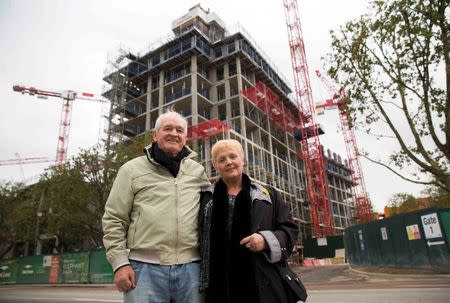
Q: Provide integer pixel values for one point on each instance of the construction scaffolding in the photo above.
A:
(225, 88)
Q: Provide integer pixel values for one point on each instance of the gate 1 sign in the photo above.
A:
(431, 226)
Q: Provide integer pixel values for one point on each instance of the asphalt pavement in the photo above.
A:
(346, 277)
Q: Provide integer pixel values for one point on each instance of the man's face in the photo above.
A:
(171, 136)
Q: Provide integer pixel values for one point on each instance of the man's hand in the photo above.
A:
(255, 242)
(124, 278)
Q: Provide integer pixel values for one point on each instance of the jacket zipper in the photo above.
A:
(176, 219)
(177, 196)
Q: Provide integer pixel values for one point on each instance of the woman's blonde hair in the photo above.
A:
(226, 143)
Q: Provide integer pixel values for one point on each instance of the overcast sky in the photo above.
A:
(61, 45)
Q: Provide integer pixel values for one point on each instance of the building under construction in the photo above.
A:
(226, 88)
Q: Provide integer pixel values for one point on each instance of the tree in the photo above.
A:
(395, 63)
(402, 202)
(439, 197)
(19, 207)
(76, 194)
(69, 200)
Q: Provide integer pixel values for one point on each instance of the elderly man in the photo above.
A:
(150, 221)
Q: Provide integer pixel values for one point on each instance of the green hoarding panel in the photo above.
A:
(100, 271)
(374, 243)
(352, 248)
(436, 241)
(417, 253)
(386, 244)
(417, 240)
(33, 270)
(74, 268)
(8, 271)
(319, 249)
(399, 241)
(357, 245)
(445, 221)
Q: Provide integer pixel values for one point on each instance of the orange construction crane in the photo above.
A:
(339, 100)
(68, 97)
(312, 154)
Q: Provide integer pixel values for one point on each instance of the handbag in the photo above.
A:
(294, 287)
(295, 290)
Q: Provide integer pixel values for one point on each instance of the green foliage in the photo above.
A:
(402, 203)
(439, 197)
(395, 63)
(70, 199)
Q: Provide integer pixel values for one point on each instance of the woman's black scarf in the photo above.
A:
(171, 163)
(231, 277)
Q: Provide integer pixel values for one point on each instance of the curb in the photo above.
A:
(59, 285)
(437, 275)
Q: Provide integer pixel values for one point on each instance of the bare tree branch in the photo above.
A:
(397, 173)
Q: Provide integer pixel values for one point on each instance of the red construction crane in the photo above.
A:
(312, 154)
(68, 97)
(339, 100)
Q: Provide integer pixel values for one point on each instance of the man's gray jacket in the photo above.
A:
(152, 214)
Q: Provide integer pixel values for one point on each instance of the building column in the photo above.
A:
(241, 99)
(194, 98)
(149, 104)
(194, 104)
(161, 93)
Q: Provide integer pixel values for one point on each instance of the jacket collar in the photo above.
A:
(192, 154)
(257, 191)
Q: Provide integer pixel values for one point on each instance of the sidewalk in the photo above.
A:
(99, 286)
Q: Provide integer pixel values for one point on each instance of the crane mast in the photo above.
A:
(340, 100)
(312, 153)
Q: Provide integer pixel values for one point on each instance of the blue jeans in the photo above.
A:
(165, 283)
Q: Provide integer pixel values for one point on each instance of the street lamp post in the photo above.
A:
(37, 241)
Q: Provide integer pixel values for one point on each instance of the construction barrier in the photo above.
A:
(100, 270)
(320, 248)
(66, 268)
(417, 239)
(8, 271)
(74, 268)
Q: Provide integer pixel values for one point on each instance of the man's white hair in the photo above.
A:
(167, 115)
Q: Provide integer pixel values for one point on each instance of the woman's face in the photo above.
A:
(229, 164)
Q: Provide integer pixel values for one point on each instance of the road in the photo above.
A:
(58, 294)
(341, 284)
(325, 284)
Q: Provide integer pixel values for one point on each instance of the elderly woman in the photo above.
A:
(242, 234)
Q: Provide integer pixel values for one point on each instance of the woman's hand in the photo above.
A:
(254, 243)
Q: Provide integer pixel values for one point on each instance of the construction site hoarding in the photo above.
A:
(100, 271)
(417, 239)
(320, 248)
(74, 268)
(33, 270)
(8, 271)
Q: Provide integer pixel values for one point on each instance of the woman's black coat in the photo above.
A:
(263, 217)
